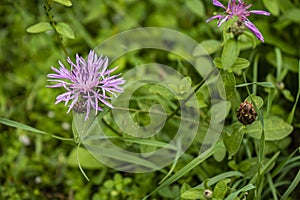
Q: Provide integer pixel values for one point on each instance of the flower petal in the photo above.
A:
(219, 4)
(219, 16)
(260, 12)
(254, 29)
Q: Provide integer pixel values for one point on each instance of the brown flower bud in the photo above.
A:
(246, 114)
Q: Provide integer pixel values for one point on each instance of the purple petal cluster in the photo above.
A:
(240, 10)
(88, 83)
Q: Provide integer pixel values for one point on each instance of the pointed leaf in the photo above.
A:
(196, 6)
(64, 2)
(65, 30)
(39, 27)
(272, 6)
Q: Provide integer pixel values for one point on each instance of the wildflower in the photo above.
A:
(87, 84)
(239, 10)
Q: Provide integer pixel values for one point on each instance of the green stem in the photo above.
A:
(261, 148)
(53, 24)
(255, 70)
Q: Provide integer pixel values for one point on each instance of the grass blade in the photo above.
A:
(293, 185)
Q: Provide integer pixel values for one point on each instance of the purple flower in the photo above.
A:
(239, 10)
(87, 84)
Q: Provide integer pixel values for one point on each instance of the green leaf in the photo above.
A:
(65, 30)
(230, 53)
(39, 27)
(257, 99)
(220, 154)
(293, 15)
(240, 63)
(233, 141)
(292, 113)
(272, 6)
(246, 188)
(288, 95)
(220, 110)
(211, 46)
(197, 7)
(292, 186)
(15, 124)
(228, 83)
(220, 189)
(163, 91)
(184, 187)
(263, 84)
(193, 193)
(87, 161)
(188, 167)
(217, 61)
(220, 177)
(275, 129)
(64, 2)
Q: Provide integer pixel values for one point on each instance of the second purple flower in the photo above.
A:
(239, 10)
(88, 83)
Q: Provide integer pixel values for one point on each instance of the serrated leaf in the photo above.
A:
(64, 2)
(272, 6)
(65, 30)
(39, 27)
(229, 54)
(275, 129)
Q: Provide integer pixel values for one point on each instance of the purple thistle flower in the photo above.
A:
(87, 84)
(241, 11)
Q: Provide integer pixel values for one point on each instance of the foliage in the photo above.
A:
(40, 155)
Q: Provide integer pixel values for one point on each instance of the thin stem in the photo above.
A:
(53, 23)
(261, 148)
(255, 69)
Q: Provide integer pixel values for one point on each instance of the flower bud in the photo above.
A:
(246, 114)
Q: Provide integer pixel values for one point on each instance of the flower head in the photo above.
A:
(87, 84)
(239, 10)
